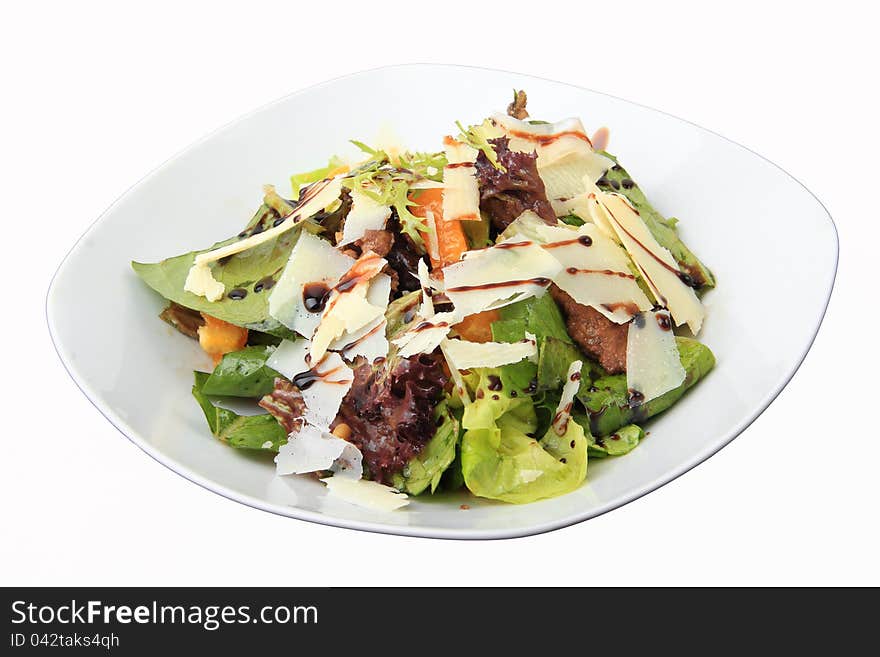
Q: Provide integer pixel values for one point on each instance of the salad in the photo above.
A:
(489, 316)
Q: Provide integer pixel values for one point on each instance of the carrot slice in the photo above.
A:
(451, 240)
(217, 337)
(477, 327)
(451, 243)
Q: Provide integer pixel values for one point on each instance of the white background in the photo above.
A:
(98, 94)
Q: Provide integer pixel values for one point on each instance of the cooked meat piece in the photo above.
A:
(504, 195)
(184, 319)
(598, 336)
(286, 403)
(517, 109)
(391, 414)
(377, 241)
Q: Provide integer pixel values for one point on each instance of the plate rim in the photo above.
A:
(423, 531)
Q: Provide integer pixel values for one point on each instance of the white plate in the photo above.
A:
(771, 244)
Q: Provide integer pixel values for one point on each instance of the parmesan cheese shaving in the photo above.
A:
(314, 450)
(461, 194)
(432, 245)
(369, 341)
(595, 271)
(655, 263)
(427, 308)
(563, 410)
(368, 494)
(312, 260)
(365, 214)
(466, 355)
(498, 276)
(426, 334)
(328, 384)
(348, 308)
(653, 365)
(201, 281)
(457, 378)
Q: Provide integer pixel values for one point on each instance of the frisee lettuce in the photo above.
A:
(389, 185)
(474, 137)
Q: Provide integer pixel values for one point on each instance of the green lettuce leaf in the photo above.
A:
(260, 432)
(243, 373)
(427, 468)
(621, 442)
(607, 400)
(617, 179)
(254, 271)
(554, 358)
(502, 460)
(297, 180)
(539, 316)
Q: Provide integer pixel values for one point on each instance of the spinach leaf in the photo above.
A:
(242, 374)
(253, 271)
(618, 180)
(607, 400)
(240, 431)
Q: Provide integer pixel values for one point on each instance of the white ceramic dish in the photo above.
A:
(773, 250)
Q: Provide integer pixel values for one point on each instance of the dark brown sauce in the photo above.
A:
(584, 240)
(627, 306)
(576, 376)
(315, 296)
(653, 255)
(305, 380)
(266, 283)
(355, 343)
(237, 294)
(664, 322)
(604, 272)
(359, 272)
(513, 245)
(506, 245)
(538, 280)
(562, 419)
(636, 398)
(688, 280)
(424, 326)
(495, 383)
(546, 140)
